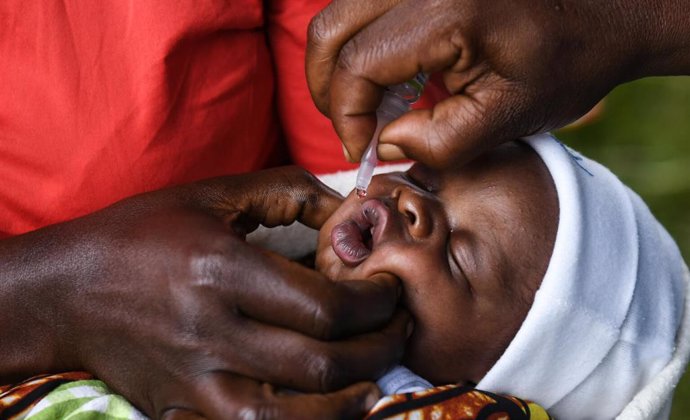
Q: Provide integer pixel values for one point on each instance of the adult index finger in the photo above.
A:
(328, 32)
(276, 291)
(293, 360)
(391, 50)
(272, 197)
(291, 194)
(283, 293)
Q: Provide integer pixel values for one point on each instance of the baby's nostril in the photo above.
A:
(411, 217)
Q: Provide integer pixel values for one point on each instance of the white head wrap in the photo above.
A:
(605, 318)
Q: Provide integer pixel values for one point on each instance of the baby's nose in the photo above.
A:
(415, 210)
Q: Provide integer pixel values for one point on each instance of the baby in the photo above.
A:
(470, 246)
(531, 271)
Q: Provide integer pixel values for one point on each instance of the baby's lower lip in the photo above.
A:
(348, 243)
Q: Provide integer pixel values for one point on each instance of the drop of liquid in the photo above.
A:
(361, 192)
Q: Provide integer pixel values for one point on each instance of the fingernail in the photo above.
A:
(390, 152)
(410, 328)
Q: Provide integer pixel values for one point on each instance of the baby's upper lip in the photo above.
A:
(377, 214)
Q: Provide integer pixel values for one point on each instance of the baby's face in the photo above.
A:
(470, 246)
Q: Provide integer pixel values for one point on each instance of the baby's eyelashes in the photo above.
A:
(417, 183)
(423, 177)
(461, 258)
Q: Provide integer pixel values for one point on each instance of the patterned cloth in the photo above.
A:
(90, 399)
(77, 396)
(72, 395)
(454, 402)
(17, 400)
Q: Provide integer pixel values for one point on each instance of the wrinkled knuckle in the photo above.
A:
(326, 319)
(320, 31)
(307, 187)
(353, 57)
(327, 368)
(435, 146)
(206, 268)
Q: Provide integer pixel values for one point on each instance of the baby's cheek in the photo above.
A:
(395, 259)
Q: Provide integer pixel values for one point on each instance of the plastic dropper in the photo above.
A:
(396, 101)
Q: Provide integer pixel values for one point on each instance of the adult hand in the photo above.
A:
(160, 297)
(513, 68)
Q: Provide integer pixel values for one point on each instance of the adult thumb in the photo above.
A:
(454, 131)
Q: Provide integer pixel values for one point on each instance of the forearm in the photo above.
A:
(31, 279)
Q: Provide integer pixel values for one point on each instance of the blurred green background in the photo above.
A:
(643, 135)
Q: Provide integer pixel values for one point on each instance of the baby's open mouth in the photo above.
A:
(354, 239)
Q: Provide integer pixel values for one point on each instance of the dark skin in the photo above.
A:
(513, 68)
(160, 297)
(470, 245)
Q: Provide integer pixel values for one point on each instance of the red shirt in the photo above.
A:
(101, 100)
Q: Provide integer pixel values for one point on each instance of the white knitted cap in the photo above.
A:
(605, 317)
